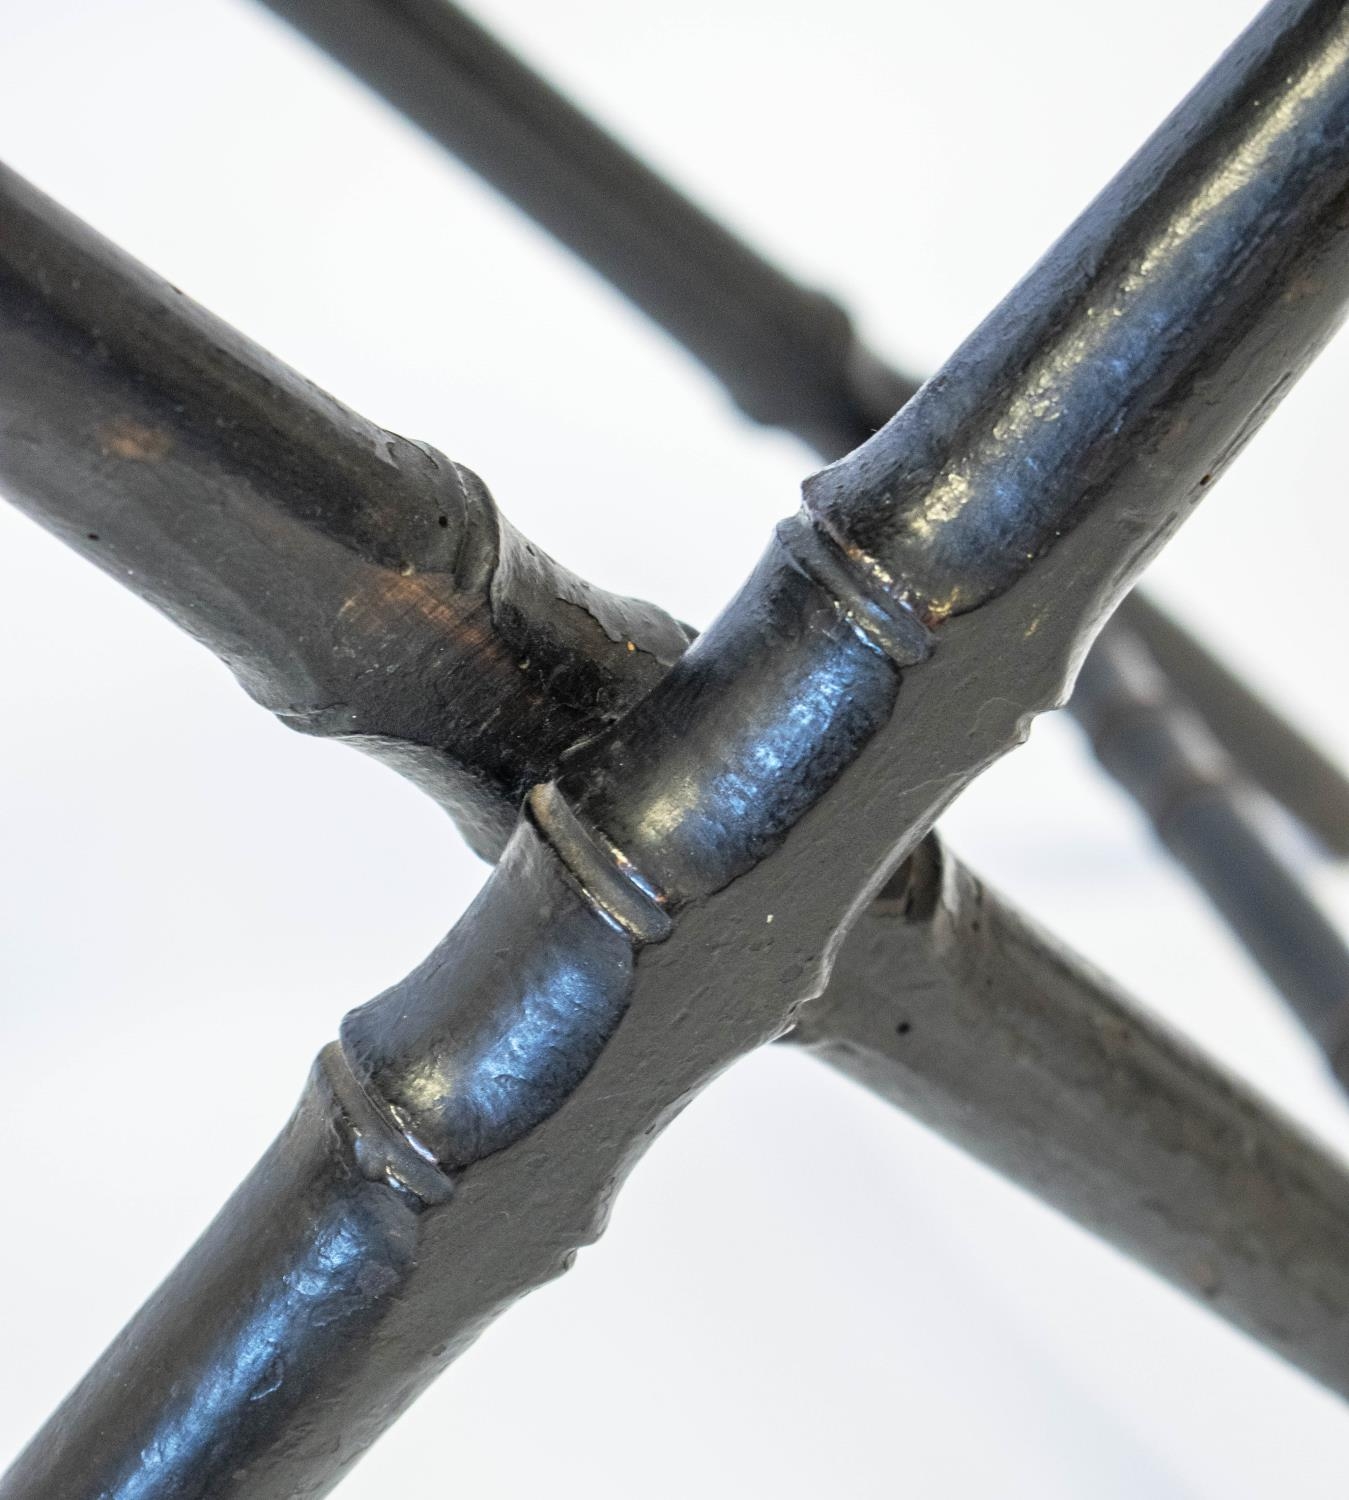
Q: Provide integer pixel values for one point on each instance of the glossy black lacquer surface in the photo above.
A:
(937, 590)
(361, 586)
(787, 356)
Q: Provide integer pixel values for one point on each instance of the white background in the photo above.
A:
(802, 1294)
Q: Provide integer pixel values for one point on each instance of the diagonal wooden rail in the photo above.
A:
(1205, 811)
(621, 956)
(790, 357)
(313, 613)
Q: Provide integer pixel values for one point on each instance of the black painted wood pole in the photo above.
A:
(937, 589)
(169, 505)
(1207, 813)
(788, 357)
(787, 354)
(1269, 750)
(157, 517)
(1067, 1087)
(361, 586)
